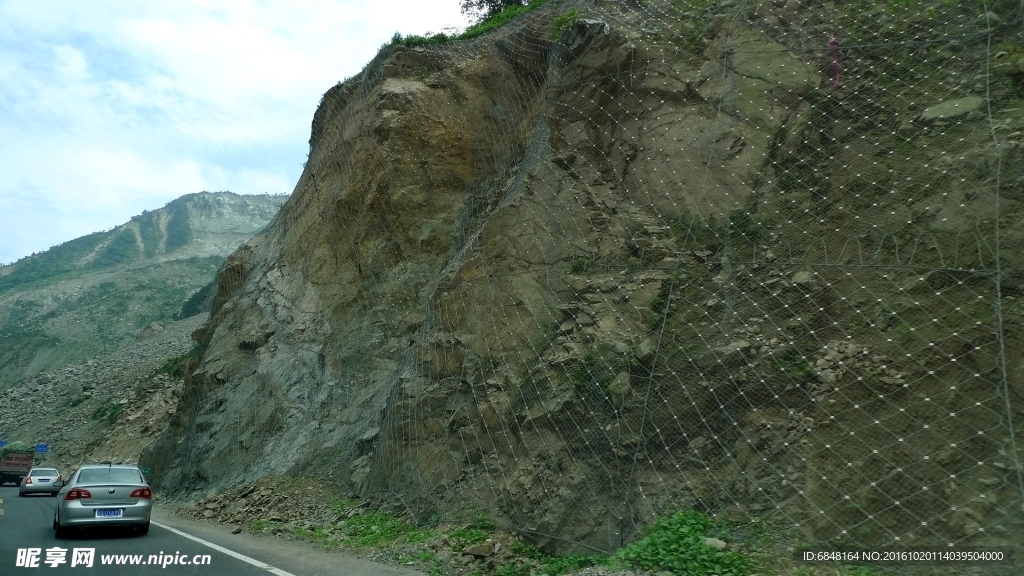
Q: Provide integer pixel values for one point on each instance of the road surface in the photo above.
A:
(173, 546)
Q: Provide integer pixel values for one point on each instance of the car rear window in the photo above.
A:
(44, 472)
(105, 475)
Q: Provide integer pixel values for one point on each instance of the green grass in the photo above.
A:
(862, 571)
(496, 21)
(175, 367)
(121, 249)
(795, 365)
(260, 525)
(581, 265)
(343, 505)
(483, 522)
(57, 262)
(467, 537)
(595, 371)
(677, 544)
(371, 529)
(565, 22)
(149, 230)
(179, 228)
(107, 413)
(196, 303)
(553, 565)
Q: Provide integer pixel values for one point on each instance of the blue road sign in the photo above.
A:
(3, 443)
(42, 447)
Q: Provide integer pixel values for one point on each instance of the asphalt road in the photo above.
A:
(26, 523)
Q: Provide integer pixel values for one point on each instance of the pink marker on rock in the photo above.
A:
(837, 72)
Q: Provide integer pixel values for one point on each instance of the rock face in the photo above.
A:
(580, 279)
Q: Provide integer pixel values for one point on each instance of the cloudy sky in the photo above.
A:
(109, 108)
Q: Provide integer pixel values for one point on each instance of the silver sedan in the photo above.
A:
(40, 481)
(103, 495)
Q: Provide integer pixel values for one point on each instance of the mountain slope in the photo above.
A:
(90, 295)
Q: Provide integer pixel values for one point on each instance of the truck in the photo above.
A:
(15, 461)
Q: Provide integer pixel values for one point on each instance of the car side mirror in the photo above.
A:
(58, 484)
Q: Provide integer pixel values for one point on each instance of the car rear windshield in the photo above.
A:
(114, 475)
(44, 472)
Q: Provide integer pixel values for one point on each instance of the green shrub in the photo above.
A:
(107, 413)
(483, 522)
(565, 21)
(467, 537)
(179, 227)
(677, 544)
(60, 260)
(122, 248)
(175, 367)
(553, 565)
(371, 528)
(580, 265)
(501, 18)
(198, 302)
(486, 25)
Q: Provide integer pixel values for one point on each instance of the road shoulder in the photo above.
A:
(296, 557)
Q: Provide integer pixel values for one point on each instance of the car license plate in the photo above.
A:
(117, 513)
(44, 480)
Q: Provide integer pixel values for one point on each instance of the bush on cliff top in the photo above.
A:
(486, 25)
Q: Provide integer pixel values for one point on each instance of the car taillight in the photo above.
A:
(78, 494)
(141, 493)
(28, 480)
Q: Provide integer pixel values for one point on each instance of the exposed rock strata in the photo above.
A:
(581, 283)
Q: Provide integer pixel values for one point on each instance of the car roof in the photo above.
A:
(107, 466)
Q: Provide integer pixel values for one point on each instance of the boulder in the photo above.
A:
(951, 109)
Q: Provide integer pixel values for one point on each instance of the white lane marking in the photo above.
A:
(231, 553)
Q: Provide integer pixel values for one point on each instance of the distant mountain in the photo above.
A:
(90, 295)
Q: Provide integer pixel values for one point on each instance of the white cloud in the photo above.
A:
(70, 63)
(108, 108)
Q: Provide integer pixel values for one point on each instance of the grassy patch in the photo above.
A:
(664, 304)
(565, 22)
(483, 522)
(197, 302)
(795, 365)
(486, 25)
(260, 525)
(121, 249)
(581, 265)
(677, 544)
(175, 367)
(107, 413)
(370, 528)
(179, 227)
(596, 372)
(500, 19)
(553, 565)
(466, 537)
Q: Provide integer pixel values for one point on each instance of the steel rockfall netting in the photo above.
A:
(618, 259)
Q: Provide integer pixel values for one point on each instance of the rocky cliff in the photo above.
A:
(618, 259)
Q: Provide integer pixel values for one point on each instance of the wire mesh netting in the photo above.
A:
(618, 259)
